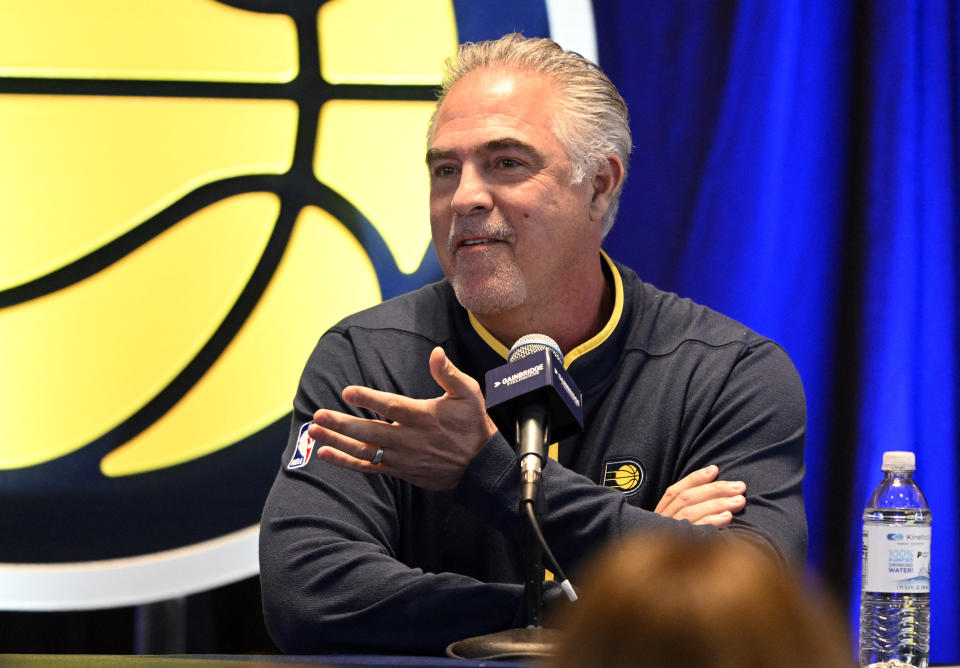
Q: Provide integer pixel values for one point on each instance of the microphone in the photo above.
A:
(533, 401)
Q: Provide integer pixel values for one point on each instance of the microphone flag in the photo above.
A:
(538, 377)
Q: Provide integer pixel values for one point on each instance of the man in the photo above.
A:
(402, 533)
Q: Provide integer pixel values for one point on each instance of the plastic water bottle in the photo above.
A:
(895, 590)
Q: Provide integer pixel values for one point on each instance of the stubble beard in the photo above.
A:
(492, 284)
(490, 292)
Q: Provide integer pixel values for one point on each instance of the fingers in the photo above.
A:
(695, 479)
(427, 442)
(700, 499)
(719, 520)
(395, 407)
(714, 511)
(350, 435)
(337, 448)
(332, 455)
(455, 382)
(717, 512)
(399, 408)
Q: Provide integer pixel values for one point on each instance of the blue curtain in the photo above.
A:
(796, 167)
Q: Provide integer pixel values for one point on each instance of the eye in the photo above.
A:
(444, 170)
(508, 163)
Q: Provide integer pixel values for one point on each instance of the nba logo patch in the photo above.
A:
(624, 473)
(301, 454)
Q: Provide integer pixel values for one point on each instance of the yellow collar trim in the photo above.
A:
(584, 347)
(607, 330)
(491, 340)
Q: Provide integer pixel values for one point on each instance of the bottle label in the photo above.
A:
(896, 559)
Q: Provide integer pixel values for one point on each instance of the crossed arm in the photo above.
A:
(332, 538)
(430, 442)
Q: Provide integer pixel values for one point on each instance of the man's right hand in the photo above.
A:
(702, 499)
(427, 442)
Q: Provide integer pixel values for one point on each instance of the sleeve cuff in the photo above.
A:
(490, 485)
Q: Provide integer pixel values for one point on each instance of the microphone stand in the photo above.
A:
(534, 641)
(530, 432)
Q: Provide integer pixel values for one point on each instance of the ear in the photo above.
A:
(606, 181)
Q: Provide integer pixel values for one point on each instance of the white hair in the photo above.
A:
(592, 123)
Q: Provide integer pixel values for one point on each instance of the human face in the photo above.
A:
(509, 227)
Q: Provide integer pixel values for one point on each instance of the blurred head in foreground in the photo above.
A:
(670, 602)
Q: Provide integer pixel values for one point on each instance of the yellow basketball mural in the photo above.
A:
(191, 192)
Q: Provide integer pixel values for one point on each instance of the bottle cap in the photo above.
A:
(897, 460)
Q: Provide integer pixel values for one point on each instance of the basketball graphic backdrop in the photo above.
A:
(191, 192)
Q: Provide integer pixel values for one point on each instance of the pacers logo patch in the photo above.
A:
(625, 474)
(301, 454)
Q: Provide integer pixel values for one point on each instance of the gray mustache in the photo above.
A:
(497, 231)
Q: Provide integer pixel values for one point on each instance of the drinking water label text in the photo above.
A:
(896, 560)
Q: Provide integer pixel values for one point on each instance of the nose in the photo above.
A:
(472, 194)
